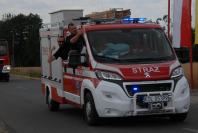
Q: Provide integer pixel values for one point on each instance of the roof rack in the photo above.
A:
(88, 20)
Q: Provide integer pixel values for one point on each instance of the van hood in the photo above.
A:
(141, 72)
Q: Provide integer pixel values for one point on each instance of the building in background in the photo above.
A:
(65, 16)
(112, 13)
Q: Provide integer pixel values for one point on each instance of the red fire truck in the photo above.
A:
(125, 69)
(4, 60)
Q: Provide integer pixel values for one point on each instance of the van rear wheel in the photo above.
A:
(90, 113)
(52, 105)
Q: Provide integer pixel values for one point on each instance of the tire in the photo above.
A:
(90, 113)
(7, 78)
(178, 117)
(52, 105)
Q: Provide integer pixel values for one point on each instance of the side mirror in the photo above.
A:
(74, 59)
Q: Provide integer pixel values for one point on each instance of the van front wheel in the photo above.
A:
(90, 113)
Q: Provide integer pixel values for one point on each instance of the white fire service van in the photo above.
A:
(123, 70)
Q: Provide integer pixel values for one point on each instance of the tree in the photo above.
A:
(24, 30)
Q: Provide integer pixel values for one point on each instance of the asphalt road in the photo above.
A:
(23, 110)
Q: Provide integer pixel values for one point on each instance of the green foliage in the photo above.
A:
(24, 30)
(33, 72)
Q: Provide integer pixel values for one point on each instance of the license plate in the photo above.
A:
(156, 99)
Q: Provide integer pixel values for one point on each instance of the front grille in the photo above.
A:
(149, 88)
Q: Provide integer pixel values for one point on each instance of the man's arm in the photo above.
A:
(76, 37)
(51, 58)
(57, 54)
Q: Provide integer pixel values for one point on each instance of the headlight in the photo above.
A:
(6, 68)
(108, 75)
(178, 72)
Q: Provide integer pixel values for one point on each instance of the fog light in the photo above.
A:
(129, 113)
(108, 96)
(186, 107)
(184, 89)
(107, 111)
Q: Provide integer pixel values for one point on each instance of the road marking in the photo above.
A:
(191, 130)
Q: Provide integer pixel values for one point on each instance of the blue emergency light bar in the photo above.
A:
(126, 20)
(133, 20)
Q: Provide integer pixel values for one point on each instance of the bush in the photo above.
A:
(34, 72)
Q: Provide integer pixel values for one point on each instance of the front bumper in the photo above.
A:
(4, 75)
(111, 100)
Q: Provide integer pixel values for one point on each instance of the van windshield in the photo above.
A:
(130, 46)
(3, 48)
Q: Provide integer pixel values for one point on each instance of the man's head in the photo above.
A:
(60, 40)
(72, 28)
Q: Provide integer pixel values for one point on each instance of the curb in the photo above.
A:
(26, 77)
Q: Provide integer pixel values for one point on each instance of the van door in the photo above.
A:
(73, 81)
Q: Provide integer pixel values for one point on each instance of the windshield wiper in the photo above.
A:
(135, 60)
(150, 59)
(166, 58)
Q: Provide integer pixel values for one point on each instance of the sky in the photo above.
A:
(151, 9)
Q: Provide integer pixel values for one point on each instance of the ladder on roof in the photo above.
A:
(88, 20)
